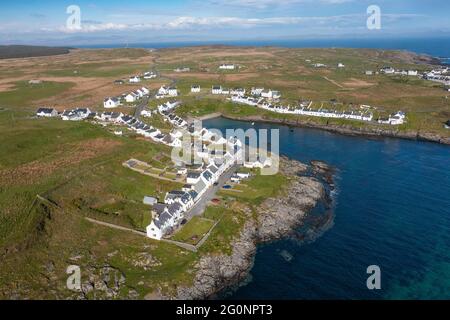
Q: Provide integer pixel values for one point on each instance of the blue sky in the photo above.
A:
(113, 21)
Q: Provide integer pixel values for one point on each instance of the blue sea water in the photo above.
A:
(437, 47)
(391, 209)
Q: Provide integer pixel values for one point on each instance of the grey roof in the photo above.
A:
(159, 208)
(193, 194)
(193, 175)
(162, 219)
(150, 200)
(168, 139)
(213, 168)
(185, 198)
(207, 175)
(199, 186)
(174, 208)
(176, 192)
(45, 110)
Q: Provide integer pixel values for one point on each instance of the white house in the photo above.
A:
(387, 70)
(182, 69)
(134, 79)
(163, 91)
(319, 65)
(146, 113)
(76, 114)
(243, 175)
(216, 90)
(47, 112)
(271, 94)
(413, 72)
(131, 97)
(395, 119)
(173, 92)
(195, 89)
(145, 91)
(149, 75)
(257, 91)
(226, 66)
(341, 65)
(165, 221)
(193, 178)
(113, 102)
(238, 91)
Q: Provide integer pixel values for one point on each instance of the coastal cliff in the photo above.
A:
(276, 218)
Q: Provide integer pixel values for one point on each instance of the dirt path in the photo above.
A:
(334, 82)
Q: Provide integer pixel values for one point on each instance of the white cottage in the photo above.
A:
(113, 102)
(47, 112)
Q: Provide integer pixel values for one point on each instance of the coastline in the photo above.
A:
(277, 218)
(367, 132)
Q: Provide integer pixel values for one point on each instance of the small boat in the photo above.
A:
(253, 123)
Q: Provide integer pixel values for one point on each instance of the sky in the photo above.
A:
(149, 21)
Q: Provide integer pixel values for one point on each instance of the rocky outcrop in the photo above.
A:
(277, 218)
(216, 272)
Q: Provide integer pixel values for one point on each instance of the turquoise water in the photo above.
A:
(391, 209)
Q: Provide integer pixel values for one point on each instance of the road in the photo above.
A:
(141, 106)
(200, 206)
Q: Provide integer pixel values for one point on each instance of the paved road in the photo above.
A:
(141, 106)
(199, 207)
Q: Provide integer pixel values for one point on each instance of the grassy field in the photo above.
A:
(85, 77)
(23, 94)
(194, 230)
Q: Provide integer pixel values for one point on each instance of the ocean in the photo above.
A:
(436, 47)
(391, 208)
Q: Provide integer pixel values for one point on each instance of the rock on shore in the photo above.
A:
(277, 218)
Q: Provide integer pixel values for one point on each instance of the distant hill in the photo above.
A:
(21, 51)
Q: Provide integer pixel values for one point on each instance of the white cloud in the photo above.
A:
(263, 4)
(194, 23)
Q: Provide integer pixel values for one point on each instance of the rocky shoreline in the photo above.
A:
(277, 218)
(348, 130)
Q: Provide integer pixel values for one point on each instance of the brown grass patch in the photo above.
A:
(31, 172)
(358, 83)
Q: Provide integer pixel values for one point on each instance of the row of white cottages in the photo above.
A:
(76, 114)
(114, 102)
(394, 119)
(391, 70)
(168, 215)
(240, 92)
(303, 109)
(137, 79)
(165, 92)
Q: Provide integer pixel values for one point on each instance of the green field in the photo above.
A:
(194, 230)
(23, 94)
